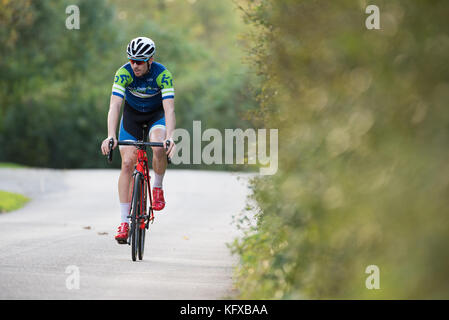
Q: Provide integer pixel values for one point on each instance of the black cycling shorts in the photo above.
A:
(132, 121)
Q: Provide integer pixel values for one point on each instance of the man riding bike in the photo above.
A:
(147, 88)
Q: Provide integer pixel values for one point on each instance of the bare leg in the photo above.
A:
(129, 158)
(159, 155)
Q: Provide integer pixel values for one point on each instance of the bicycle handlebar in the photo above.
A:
(140, 143)
(137, 144)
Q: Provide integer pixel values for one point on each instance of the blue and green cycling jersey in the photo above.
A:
(145, 93)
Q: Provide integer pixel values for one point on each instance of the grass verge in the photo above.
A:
(10, 165)
(11, 201)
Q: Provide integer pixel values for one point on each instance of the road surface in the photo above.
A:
(68, 229)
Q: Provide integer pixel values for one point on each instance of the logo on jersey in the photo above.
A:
(143, 90)
(123, 77)
(165, 79)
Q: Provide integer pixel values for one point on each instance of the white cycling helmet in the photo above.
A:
(141, 48)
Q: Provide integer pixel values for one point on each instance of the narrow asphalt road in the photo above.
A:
(69, 225)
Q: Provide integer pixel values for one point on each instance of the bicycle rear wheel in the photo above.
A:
(135, 234)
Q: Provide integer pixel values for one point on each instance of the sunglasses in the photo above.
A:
(138, 62)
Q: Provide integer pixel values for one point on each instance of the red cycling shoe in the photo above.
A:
(122, 233)
(158, 199)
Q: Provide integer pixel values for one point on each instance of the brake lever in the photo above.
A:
(167, 145)
(111, 144)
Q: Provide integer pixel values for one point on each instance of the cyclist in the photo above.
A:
(147, 88)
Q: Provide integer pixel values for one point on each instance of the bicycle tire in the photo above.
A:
(134, 215)
(142, 231)
(141, 242)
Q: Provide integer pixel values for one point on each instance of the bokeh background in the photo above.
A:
(363, 121)
(56, 82)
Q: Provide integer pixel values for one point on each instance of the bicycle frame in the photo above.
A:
(143, 169)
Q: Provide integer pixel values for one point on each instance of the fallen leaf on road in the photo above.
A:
(102, 233)
(87, 228)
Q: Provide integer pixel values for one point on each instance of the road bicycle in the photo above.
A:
(140, 214)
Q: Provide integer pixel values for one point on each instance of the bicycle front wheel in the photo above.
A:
(142, 226)
(135, 234)
(141, 242)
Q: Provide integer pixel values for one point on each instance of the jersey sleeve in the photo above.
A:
(122, 80)
(165, 82)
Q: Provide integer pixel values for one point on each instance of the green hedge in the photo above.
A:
(363, 173)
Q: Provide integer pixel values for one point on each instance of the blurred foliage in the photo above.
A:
(53, 84)
(363, 124)
(56, 83)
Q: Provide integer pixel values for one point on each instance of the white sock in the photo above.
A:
(158, 180)
(124, 212)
